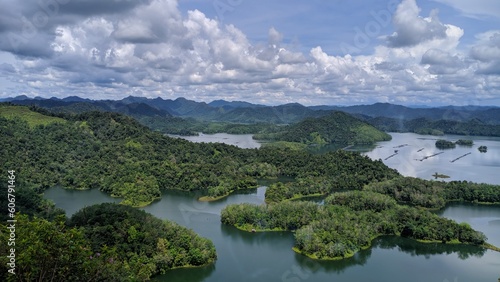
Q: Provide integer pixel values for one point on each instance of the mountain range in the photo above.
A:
(244, 112)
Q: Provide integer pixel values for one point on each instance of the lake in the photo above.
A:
(241, 140)
(476, 167)
(244, 256)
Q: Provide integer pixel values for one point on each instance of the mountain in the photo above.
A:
(283, 114)
(20, 97)
(227, 105)
(489, 115)
(75, 99)
(244, 112)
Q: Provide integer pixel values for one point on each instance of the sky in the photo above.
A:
(315, 52)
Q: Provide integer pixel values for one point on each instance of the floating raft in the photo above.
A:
(452, 161)
(401, 146)
(428, 157)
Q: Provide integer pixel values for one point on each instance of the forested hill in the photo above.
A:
(117, 155)
(337, 127)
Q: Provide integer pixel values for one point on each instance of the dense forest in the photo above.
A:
(337, 127)
(118, 155)
(347, 223)
(435, 194)
(106, 242)
(114, 153)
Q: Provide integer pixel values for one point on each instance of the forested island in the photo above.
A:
(347, 223)
(445, 144)
(119, 156)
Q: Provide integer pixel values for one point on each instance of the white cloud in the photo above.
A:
(411, 29)
(153, 49)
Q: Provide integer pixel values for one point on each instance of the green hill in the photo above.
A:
(336, 128)
(24, 113)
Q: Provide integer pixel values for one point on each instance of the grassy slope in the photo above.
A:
(33, 118)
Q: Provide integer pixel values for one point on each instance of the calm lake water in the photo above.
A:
(244, 256)
(240, 140)
(477, 166)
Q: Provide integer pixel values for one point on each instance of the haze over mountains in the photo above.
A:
(244, 112)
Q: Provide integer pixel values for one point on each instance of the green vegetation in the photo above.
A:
(435, 194)
(338, 127)
(463, 142)
(145, 244)
(32, 118)
(115, 154)
(50, 251)
(191, 126)
(347, 223)
(483, 149)
(444, 144)
(106, 242)
(328, 173)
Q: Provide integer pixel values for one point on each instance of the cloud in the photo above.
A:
(475, 8)
(411, 29)
(441, 62)
(151, 48)
(274, 36)
(487, 52)
(6, 68)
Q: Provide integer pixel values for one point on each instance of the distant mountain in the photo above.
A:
(74, 106)
(75, 99)
(244, 112)
(489, 115)
(228, 105)
(20, 97)
(284, 114)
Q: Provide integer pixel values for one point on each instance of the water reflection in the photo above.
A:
(394, 243)
(427, 250)
(187, 274)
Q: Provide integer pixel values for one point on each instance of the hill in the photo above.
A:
(335, 128)
(24, 113)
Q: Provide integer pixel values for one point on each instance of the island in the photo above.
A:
(445, 144)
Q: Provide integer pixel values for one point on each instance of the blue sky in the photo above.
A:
(427, 52)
